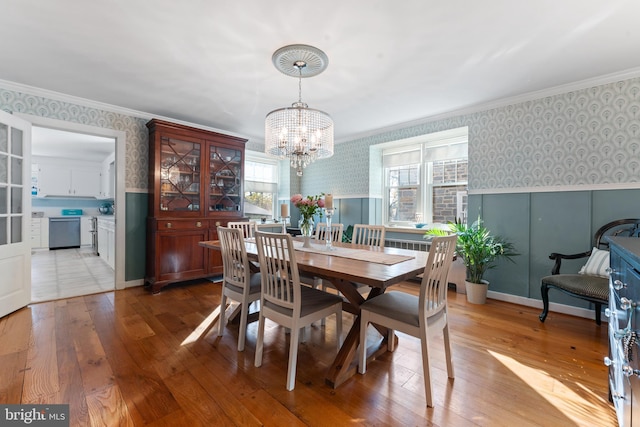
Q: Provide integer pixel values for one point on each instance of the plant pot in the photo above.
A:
(476, 292)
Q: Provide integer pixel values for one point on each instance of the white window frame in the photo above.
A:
(258, 157)
(423, 143)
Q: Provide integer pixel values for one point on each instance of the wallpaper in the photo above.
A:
(583, 137)
(137, 153)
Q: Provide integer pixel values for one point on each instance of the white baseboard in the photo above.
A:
(133, 283)
(553, 307)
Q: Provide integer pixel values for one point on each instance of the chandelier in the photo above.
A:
(299, 133)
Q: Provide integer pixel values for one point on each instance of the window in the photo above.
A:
(260, 187)
(426, 178)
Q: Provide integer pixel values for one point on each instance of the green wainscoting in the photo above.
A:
(545, 222)
(537, 224)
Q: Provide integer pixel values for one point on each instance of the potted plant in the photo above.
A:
(480, 251)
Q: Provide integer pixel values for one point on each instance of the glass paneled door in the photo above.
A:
(179, 175)
(15, 208)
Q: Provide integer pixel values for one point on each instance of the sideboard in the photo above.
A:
(624, 307)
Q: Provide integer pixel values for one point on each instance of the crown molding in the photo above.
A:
(503, 102)
(58, 96)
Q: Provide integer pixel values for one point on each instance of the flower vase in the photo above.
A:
(306, 229)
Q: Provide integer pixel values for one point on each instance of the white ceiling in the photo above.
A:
(390, 62)
(70, 145)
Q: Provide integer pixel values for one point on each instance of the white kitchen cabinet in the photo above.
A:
(85, 182)
(107, 240)
(60, 180)
(35, 233)
(85, 231)
(39, 233)
(54, 180)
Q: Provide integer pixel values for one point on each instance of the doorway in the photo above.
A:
(83, 257)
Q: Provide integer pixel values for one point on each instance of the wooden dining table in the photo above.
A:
(347, 270)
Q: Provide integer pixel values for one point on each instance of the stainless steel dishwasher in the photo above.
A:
(64, 232)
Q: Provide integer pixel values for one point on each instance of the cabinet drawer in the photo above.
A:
(182, 224)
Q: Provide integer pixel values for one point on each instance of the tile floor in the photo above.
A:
(64, 273)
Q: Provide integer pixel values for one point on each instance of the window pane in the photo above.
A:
(16, 171)
(3, 230)
(446, 204)
(16, 200)
(449, 171)
(4, 138)
(4, 203)
(4, 167)
(16, 229)
(263, 172)
(403, 203)
(16, 142)
(259, 204)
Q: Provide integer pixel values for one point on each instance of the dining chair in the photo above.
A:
(238, 282)
(418, 316)
(283, 299)
(321, 236)
(248, 227)
(278, 227)
(336, 232)
(369, 235)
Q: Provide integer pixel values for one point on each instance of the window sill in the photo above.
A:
(404, 229)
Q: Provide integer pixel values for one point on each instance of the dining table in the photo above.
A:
(348, 267)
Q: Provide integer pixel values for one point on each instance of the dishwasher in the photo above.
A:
(64, 232)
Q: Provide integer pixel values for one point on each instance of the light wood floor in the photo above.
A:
(65, 273)
(129, 358)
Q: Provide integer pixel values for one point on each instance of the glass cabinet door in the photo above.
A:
(179, 175)
(225, 180)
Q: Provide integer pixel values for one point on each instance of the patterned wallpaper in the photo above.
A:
(137, 153)
(583, 137)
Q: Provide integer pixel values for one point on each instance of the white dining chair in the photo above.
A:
(278, 227)
(248, 227)
(418, 316)
(238, 282)
(368, 235)
(321, 236)
(284, 301)
(322, 231)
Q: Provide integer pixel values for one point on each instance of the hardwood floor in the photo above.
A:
(130, 358)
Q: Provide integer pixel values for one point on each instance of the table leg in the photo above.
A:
(341, 369)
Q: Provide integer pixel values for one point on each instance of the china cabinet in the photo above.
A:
(195, 185)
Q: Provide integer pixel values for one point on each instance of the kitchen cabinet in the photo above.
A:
(85, 231)
(107, 240)
(61, 180)
(40, 233)
(195, 184)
